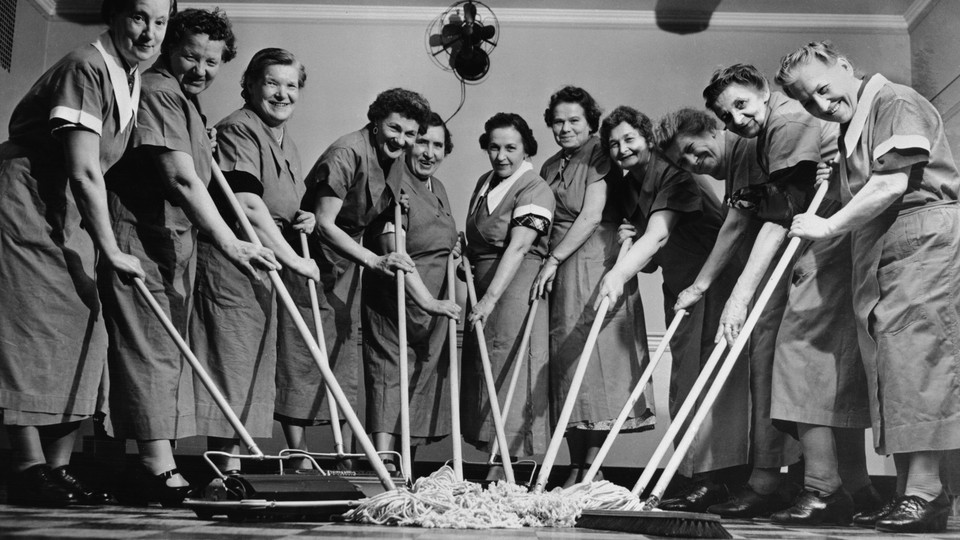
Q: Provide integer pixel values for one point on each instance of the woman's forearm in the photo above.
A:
(521, 240)
(267, 230)
(585, 224)
(873, 199)
(82, 152)
(731, 235)
(764, 250)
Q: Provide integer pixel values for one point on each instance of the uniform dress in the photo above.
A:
(151, 387)
(817, 372)
(621, 352)
(665, 187)
(234, 326)
(492, 214)
(430, 234)
(53, 344)
(349, 170)
(906, 271)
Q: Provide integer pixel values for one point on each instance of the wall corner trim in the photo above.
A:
(917, 11)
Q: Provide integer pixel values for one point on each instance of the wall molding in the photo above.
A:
(603, 18)
(917, 11)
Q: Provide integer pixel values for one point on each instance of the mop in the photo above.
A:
(454, 375)
(688, 524)
(290, 495)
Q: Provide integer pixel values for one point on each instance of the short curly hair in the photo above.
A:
(214, 24)
(686, 121)
(742, 74)
(406, 103)
(575, 94)
(434, 120)
(632, 117)
(824, 51)
(265, 58)
(509, 120)
(111, 8)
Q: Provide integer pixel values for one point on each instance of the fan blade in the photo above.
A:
(471, 64)
(487, 33)
(469, 13)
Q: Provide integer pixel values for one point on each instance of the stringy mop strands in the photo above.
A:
(440, 501)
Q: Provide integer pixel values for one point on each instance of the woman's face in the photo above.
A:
(195, 61)
(138, 31)
(743, 109)
(394, 134)
(427, 152)
(701, 153)
(570, 126)
(274, 96)
(628, 147)
(506, 151)
(827, 92)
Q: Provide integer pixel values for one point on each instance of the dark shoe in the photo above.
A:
(915, 515)
(37, 486)
(870, 519)
(866, 499)
(811, 508)
(141, 487)
(745, 503)
(84, 493)
(697, 497)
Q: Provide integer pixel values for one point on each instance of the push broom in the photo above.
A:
(688, 524)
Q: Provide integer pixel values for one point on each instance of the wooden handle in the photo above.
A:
(318, 356)
(786, 261)
(454, 375)
(406, 462)
(198, 369)
(322, 342)
(488, 378)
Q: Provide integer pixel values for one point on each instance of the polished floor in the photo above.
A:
(152, 523)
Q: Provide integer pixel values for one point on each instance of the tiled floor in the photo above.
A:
(126, 522)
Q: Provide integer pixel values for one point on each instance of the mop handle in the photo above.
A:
(198, 368)
(574, 390)
(634, 397)
(521, 354)
(322, 342)
(488, 375)
(786, 261)
(454, 375)
(318, 357)
(405, 460)
(676, 423)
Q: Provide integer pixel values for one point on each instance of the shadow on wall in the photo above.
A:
(685, 16)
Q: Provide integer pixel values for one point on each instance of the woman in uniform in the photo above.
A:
(583, 245)
(507, 231)
(675, 219)
(827, 405)
(354, 181)
(899, 184)
(71, 127)
(158, 199)
(429, 235)
(234, 326)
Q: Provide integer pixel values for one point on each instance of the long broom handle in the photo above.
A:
(488, 376)
(515, 376)
(454, 375)
(786, 261)
(318, 357)
(198, 369)
(634, 397)
(574, 390)
(322, 342)
(404, 357)
(676, 424)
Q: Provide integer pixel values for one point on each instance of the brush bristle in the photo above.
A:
(656, 523)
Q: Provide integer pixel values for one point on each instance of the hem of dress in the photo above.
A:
(783, 413)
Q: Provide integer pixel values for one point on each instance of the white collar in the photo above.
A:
(127, 101)
(864, 104)
(496, 195)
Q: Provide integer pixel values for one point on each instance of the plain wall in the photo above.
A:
(350, 61)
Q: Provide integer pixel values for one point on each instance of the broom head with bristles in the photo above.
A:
(655, 523)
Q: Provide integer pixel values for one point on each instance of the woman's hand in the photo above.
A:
(810, 227)
(457, 249)
(387, 265)
(688, 297)
(626, 231)
(481, 311)
(404, 201)
(212, 135)
(250, 259)
(126, 266)
(611, 286)
(543, 284)
(305, 222)
(824, 172)
(732, 319)
(444, 308)
(308, 268)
